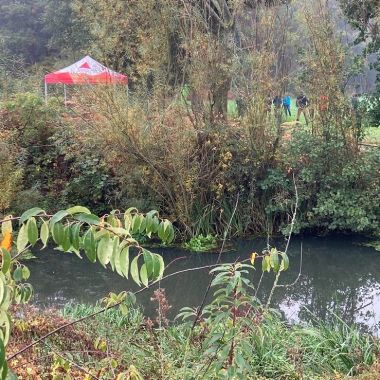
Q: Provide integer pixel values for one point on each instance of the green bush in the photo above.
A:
(338, 188)
(58, 169)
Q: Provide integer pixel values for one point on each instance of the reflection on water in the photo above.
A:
(338, 275)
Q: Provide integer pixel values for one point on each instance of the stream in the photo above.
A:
(339, 275)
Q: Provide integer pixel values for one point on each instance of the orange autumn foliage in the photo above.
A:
(7, 241)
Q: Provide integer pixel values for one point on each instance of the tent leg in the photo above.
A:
(65, 94)
(46, 92)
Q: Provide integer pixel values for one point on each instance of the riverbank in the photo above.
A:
(113, 343)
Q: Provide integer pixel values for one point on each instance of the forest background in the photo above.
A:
(174, 142)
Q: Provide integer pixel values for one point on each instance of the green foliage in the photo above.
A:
(233, 315)
(10, 175)
(107, 239)
(334, 194)
(57, 168)
(373, 109)
(202, 243)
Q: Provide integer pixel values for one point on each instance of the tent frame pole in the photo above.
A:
(65, 94)
(46, 92)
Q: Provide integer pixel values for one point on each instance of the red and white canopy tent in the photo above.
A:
(85, 71)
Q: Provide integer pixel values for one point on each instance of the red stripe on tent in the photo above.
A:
(64, 78)
(102, 78)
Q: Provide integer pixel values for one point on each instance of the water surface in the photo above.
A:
(338, 276)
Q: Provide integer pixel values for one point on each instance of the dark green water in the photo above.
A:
(338, 275)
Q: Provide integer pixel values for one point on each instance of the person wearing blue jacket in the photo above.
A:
(286, 102)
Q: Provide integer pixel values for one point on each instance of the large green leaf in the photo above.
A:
(115, 252)
(17, 274)
(131, 210)
(58, 217)
(31, 212)
(136, 223)
(78, 210)
(113, 221)
(155, 224)
(162, 266)
(3, 363)
(128, 222)
(167, 231)
(142, 224)
(135, 271)
(144, 275)
(149, 264)
(58, 233)
(90, 219)
(104, 250)
(31, 226)
(124, 261)
(25, 272)
(152, 213)
(156, 267)
(74, 235)
(66, 239)
(3, 288)
(44, 234)
(275, 260)
(266, 264)
(161, 231)
(285, 262)
(6, 260)
(5, 324)
(116, 261)
(22, 238)
(170, 234)
(89, 245)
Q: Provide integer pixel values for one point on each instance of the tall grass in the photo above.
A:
(318, 350)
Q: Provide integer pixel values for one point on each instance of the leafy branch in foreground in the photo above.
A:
(233, 316)
(108, 239)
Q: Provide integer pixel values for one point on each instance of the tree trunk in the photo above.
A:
(219, 92)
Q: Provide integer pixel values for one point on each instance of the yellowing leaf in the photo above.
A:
(253, 257)
(7, 241)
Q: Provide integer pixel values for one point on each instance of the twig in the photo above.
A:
(21, 252)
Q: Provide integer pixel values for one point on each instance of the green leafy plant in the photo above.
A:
(201, 243)
(107, 239)
(233, 315)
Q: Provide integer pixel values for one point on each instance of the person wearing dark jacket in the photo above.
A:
(303, 103)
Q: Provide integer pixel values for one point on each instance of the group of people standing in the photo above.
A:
(284, 103)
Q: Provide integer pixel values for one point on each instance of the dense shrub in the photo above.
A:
(58, 169)
(338, 187)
